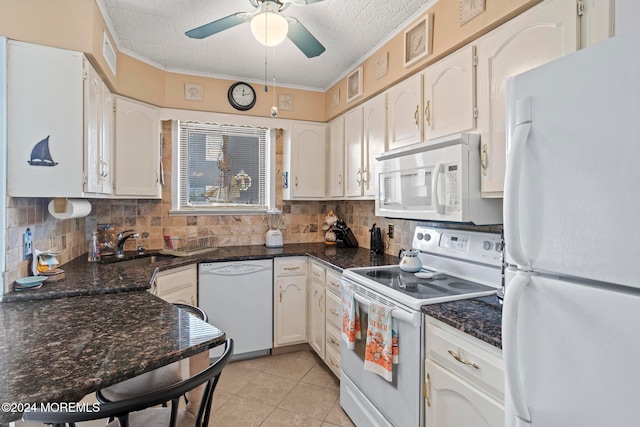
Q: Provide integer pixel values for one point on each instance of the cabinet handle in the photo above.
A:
(333, 311)
(320, 304)
(365, 176)
(359, 179)
(105, 170)
(296, 184)
(484, 159)
(334, 342)
(335, 365)
(291, 268)
(340, 179)
(416, 116)
(459, 358)
(280, 287)
(425, 390)
(427, 113)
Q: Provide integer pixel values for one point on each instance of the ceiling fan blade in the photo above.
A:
(216, 26)
(302, 38)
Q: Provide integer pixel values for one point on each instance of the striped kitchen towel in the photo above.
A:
(350, 316)
(379, 346)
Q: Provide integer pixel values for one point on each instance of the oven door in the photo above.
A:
(369, 399)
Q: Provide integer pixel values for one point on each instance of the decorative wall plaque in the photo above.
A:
(285, 102)
(193, 92)
(469, 9)
(382, 63)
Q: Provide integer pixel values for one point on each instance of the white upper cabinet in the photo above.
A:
(404, 101)
(98, 133)
(353, 152)
(137, 149)
(45, 121)
(304, 162)
(335, 159)
(543, 33)
(374, 140)
(450, 94)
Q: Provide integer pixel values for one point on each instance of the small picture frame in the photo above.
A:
(418, 41)
(469, 9)
(354, 84)
(193, 92)
(382, 65)
(335, 99)
(285, 102)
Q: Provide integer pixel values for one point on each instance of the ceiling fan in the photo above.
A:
(268, 26)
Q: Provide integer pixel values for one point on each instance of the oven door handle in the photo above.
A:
(400, 314)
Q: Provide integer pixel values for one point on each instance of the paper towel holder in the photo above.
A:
(63, 208)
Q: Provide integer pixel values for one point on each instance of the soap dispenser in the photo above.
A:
(93, 254)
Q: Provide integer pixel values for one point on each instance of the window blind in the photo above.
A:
(222, 167)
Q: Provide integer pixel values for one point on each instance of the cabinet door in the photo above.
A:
(107, 128)
(335, 159)
(291, 310)
(178, 285)
(450, 94)
(374, 140)
(541, 34)
(137, 149)
(452, 402)
(353, 153)
(44, 121)
(405, 112)
(92, 129)
(308, 147)
(316, 318)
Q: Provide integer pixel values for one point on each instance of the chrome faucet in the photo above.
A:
(122, 237)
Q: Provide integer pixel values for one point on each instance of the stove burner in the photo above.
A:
(381, 274)
(461, 285)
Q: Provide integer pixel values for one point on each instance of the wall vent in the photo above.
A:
(109, 53)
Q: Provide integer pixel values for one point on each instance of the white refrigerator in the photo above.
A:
(571, 315)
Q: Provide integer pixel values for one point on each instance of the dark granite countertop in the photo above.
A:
(478, 317)
(84, 278)
(62, 349)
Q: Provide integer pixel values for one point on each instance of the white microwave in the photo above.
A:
(438, 180)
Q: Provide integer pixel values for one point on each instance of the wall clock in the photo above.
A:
(241, 96)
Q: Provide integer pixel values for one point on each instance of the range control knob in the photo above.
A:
(498, 247)
(419, 236)
(486, 245)
(427, 237)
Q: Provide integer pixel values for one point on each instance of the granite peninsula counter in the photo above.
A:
(59, 350)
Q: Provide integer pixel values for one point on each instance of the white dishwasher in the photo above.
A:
(238, 298)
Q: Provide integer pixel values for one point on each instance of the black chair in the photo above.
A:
(140, 412)
(152, 380)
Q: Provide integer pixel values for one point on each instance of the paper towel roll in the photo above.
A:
(76, 208)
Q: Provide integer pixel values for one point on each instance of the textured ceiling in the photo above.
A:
(153, 30)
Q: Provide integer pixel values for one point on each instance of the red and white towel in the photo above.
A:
(381, 346)
(350, 317)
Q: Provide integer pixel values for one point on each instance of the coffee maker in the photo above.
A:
(377, 244)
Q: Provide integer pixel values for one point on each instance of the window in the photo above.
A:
(222, 168)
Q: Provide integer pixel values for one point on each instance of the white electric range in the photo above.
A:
(463, 264)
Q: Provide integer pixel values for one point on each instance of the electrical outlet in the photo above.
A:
(27, 244)
(390, 232)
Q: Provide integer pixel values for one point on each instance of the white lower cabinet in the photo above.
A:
(325, 314)
(290, 301)
(464, 379)
(178, 285)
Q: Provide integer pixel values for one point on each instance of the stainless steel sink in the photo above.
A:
(140, 261)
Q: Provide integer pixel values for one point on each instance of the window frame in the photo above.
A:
(270, 160)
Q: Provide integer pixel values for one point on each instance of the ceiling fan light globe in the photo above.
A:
(269, 28)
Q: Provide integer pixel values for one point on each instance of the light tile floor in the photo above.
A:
(293, 389)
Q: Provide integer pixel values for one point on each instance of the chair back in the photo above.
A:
(121, 409)
(192, 309)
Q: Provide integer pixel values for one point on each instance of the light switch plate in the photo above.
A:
(27, 243)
